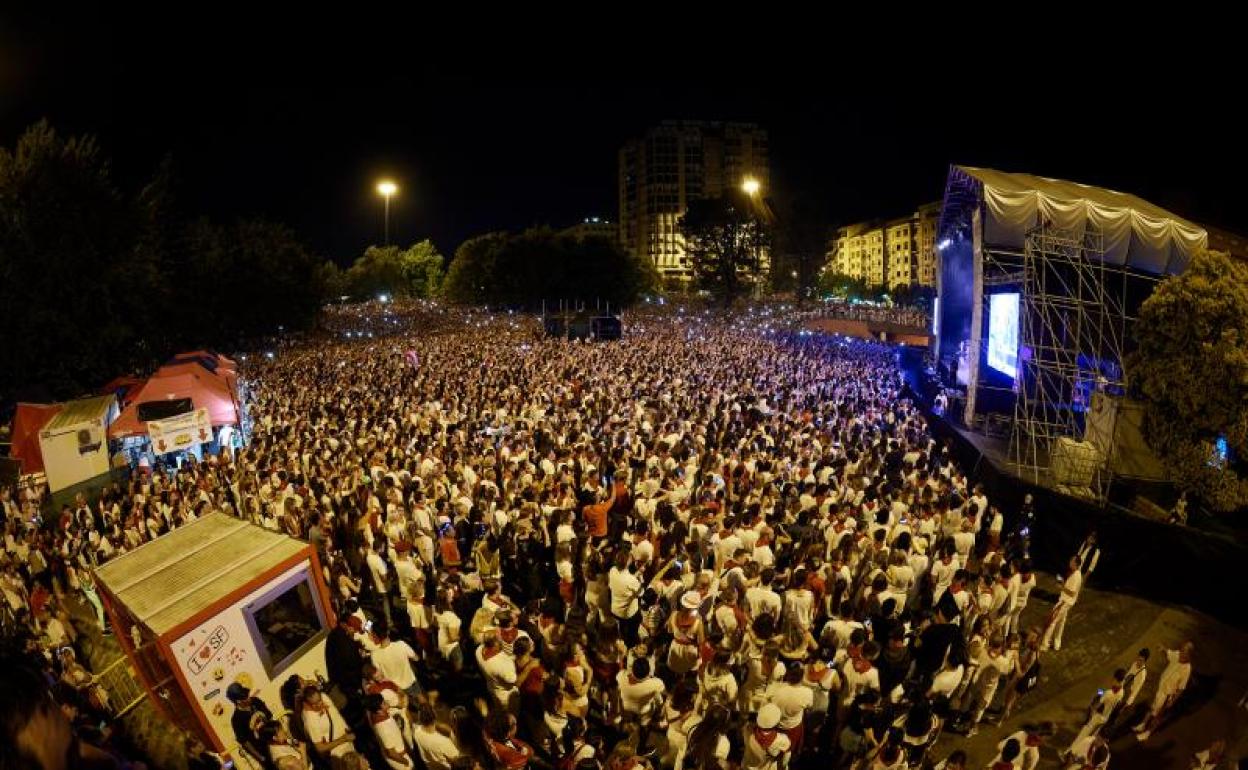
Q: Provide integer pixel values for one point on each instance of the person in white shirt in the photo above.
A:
(1021, 585)
(993, 665)
(409, 576)
(625, 590)
(381, 573)
(765, 744)
(435, 743)
(1022, 749)
(326, 729)
(1170, 686)
(761, 599)
(793, 699)
(640, 693)
(394, 661)
(499, 670)
(449, 629)
(1088, 752)
(1103, 707)
(1071, 586)
(1137, 673)
(388, 733)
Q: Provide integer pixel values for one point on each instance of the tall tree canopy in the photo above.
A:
(95, 282)
(412, 272)
(523, 270)
(1191, 365)
(726, 241)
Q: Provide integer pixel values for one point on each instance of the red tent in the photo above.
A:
(122, 387)
(225, 376)
(27, 423)
(211, 360)
(193, 382)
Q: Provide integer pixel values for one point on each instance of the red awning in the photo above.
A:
(27, 423)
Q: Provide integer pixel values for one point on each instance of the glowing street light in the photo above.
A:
(387, 188)
(750, 186)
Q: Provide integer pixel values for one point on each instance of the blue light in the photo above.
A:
(1221, 453)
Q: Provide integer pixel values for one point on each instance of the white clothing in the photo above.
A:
(793, 700)
(394, 663)
(625, 590)
(435, 749)
(391, 738)
(639, 697)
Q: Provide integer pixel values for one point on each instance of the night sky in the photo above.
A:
(258, 125)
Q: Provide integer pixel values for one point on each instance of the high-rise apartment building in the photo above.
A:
(674, 163)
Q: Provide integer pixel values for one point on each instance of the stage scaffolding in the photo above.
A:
(1074, 330)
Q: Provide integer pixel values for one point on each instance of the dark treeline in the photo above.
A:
(96, 281)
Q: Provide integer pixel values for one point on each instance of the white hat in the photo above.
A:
(691, 600)
(769, 716)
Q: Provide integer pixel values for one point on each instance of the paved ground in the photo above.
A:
(1103, 633)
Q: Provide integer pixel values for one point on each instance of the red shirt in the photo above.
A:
(512, 754)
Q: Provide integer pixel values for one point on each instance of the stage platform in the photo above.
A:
(1140, 555)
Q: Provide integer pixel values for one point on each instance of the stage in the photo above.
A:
(1141, 555)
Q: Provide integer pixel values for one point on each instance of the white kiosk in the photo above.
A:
(214, 602)
(74, 443)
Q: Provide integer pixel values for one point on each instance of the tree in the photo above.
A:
(801, 248)
(842, 285)
(412, 272)
(95, 282)
(67, 259)
(525, 269)
(474, 265)
(423, 269)
(1191, 367)
(725, 239)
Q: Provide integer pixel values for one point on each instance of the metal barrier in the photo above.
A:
(124, 691)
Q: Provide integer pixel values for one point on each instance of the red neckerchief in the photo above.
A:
(707, 652)
(373, 719)
(765, 737)
(508, 634)
(1033, 741)
(376, 688)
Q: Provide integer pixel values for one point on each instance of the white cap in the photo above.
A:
(769, 716)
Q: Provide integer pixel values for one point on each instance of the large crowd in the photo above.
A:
(706, 546)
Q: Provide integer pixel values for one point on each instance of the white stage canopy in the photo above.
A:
(1137, 234)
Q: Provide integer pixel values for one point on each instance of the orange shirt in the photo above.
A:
(596, 517)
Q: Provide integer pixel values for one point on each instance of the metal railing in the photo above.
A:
(124, 690)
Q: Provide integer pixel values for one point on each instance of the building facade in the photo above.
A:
(594, 227)
(672, 164)
(894, 252)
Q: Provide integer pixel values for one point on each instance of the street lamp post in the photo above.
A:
(750, 186)
(387, 189)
